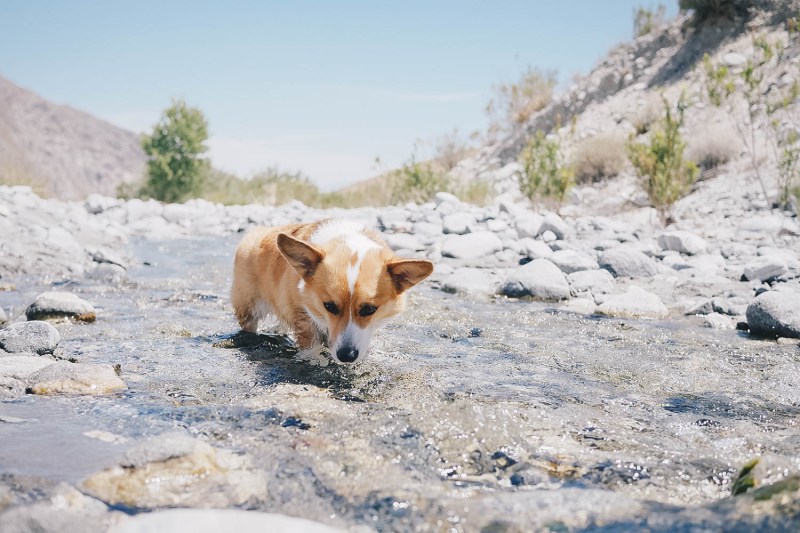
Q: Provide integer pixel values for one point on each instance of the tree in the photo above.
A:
(175, 166)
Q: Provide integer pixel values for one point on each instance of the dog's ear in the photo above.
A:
(300, 254)
(406, 273)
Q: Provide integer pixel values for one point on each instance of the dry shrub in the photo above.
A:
(646, 114)
(713, 145)
(599, 157)
(515, 103)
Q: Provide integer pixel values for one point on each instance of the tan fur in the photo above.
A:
(271, 262)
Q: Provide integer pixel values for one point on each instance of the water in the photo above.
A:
(467, 416)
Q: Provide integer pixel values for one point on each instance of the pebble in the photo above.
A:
(56, 304)
(32, 336)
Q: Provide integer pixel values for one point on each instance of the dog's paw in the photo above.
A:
(313, 356)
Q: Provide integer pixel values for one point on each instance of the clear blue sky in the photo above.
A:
(324, 87)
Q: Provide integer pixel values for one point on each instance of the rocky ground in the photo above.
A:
(682, 358)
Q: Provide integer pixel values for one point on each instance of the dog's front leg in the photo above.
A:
(309, 341)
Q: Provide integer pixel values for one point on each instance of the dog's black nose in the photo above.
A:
(347, 354)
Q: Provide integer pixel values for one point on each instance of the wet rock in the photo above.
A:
(582, 306)
(458, 223)
(719, 321)
(472, 245)
(540, 279)
(105, 255)
(570, 261)
(55, 305)
(32, 336)
(44, 518)
(75, 378)
(108, 272)
(765, 268)
(22, 366)
(174, 469)
(635, 303)
(471, 281)
(214, 520)
(627, 262)
(11, 388)
(594, 281)
(682, 241)
(554, 223)
(775, 314)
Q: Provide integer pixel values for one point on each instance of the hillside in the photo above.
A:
(67, 153)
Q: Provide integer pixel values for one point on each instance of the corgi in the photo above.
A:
(331, 281)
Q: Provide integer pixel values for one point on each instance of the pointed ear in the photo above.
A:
(406, 273)
(301, 255)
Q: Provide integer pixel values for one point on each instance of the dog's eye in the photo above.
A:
(331, 307)
(367, 310)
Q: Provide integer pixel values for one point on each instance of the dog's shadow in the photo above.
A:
(281, 365)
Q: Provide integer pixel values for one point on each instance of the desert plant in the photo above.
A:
(175, 166)
(417, 182)
(647, 114)
(598, 157)
(760, 107)
(270, 187)
(646, 20)
(545, 175)
(665, 175)
(449, 149)
(712, 145)
(515, 103)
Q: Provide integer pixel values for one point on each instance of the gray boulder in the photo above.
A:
(472, 245)
(540, 279)
(682, 241)
(471, 281)
(55, 304)
(775, 314)
(765, 268)
(570, 261)
(635, 303)
(33, 336)
(627, 262)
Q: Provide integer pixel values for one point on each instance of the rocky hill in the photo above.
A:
(67, 152)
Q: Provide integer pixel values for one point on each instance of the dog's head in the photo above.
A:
(351, 286)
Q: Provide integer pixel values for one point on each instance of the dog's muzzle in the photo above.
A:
(347, 354)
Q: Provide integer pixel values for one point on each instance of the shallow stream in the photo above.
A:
(467, 415)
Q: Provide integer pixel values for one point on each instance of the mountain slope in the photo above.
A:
(69, 152)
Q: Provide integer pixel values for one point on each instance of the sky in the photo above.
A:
(320, 87)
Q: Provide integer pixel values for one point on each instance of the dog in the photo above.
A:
(332, 281)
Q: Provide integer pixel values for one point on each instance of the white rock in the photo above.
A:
(445, 197)
(22, 366)
(683, 242)
(549, 236)
(472, 245)
(635, 303)
(58, 304)
(570, 261)
(529, 225)
(458, 223)
(403, 241)
(581, 306)
(471, 281)
(553, 222)
(535, 249)
(594, 281)
(75, 378)
(540, 279)
(734, 60)
(718, 321)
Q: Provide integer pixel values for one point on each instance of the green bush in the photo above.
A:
(269, 187)
(646, 20)
(660, 165)
(175, 168)
(545, 176)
